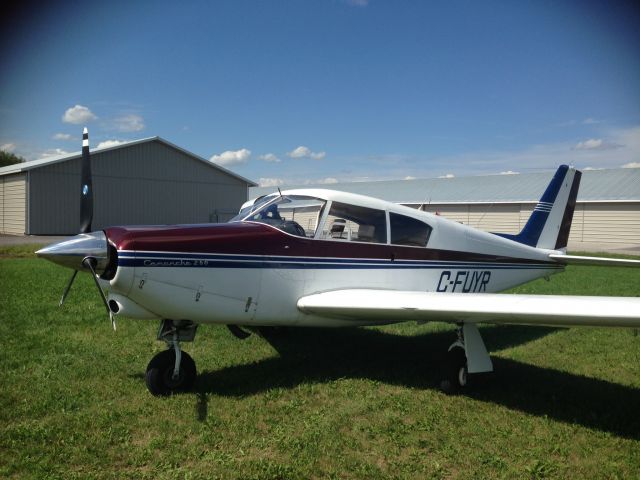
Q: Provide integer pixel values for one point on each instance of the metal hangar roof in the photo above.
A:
(25, 166)
(620, 184)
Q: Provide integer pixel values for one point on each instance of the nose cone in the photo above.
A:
(70, 253)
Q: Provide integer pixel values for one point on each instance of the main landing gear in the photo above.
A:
(466, 355)
(172, 370)
(455, 371)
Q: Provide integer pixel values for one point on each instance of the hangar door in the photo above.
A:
(13, 201)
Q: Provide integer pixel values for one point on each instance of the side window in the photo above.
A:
(356, 224)
(408, 231)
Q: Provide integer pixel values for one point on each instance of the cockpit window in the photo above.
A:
(294, 214)
(408, 231)
(356, 224)
(256, 205)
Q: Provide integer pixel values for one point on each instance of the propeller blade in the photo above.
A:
(90, 262)
(68, 287)
(86, 189)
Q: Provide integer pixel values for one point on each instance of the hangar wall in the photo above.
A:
(13, 194)
(145, 183)
(593, 222)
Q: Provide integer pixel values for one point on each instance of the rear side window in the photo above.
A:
(356, 224)
(408, 231)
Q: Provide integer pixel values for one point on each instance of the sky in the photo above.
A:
(324, 91)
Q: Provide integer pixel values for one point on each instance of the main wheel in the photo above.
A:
(159, 376)
(455, 371)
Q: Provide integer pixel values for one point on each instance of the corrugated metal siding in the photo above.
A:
(147, 183)
(13, 204)
(503, 218)
(495, 218)
(577, 225)
(2, 204)
(611, 223)
(596, 223)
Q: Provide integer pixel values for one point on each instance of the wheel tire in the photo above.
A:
(160, 372)
(455, 371)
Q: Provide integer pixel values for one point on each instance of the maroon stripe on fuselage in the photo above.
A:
(242, 238)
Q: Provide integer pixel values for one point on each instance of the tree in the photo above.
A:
(8, 158)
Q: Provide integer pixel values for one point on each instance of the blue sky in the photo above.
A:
(330, 90)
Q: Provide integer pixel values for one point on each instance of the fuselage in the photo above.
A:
(251, 273)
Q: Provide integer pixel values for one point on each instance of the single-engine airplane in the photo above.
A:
(314, 257)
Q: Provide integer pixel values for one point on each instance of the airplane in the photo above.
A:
(324, 258)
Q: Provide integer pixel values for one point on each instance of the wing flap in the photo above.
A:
(396, 306)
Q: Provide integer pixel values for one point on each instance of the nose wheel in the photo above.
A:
(161, 376)
(173, 370)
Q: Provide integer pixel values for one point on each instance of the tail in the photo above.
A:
(550, 223)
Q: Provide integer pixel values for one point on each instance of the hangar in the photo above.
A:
(148, 181)
(607, 214)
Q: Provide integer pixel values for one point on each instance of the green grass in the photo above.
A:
(313, 403)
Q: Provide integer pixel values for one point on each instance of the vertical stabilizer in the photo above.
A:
(550, 223)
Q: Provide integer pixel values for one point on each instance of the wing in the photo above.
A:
(397, 306)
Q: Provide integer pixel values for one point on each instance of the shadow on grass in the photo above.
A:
(321, 355)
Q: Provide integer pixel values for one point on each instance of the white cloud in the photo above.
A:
(596, 144)
(591, 144)
(590, 121)
(53, 152)
(232, 157)
(62, 136)
(509, 172)
(78, 115)
(270, 182)
(409, 177)
(109, 143)
(358, 3)
(328, 181)
(129, 123)
(448, 175)
(305, 152)
(8, 147)
(592, 168)
(269, 157)
(631, 165)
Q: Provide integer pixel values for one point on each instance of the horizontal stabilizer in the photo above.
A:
(598, 261)
(387, 306)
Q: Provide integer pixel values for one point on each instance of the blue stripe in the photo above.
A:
(155, 260)
(532, 230)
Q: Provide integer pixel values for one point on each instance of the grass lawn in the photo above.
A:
(310, 403)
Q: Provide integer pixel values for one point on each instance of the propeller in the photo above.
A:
(88, 247)
(86, 201)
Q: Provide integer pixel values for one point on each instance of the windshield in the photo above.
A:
(251, 207)
(295, 214)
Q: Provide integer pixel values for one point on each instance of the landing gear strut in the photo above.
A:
(173, 370)
(466, 355)
(455, 372)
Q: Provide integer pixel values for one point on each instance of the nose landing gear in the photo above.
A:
(172, 371)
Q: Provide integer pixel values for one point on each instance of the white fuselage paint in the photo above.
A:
(264, 290)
